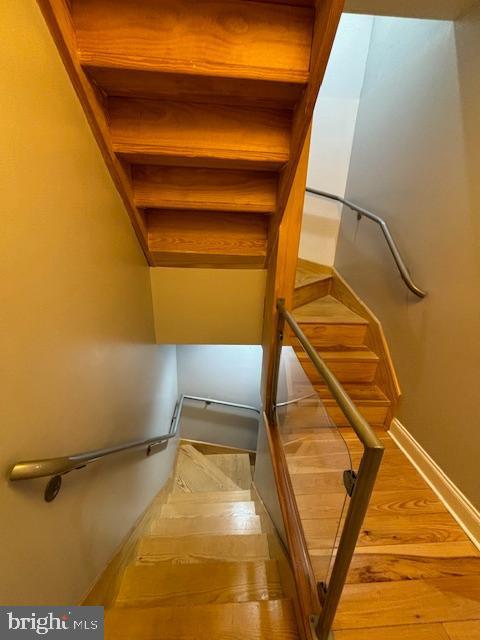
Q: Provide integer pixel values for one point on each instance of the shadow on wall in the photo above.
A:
(467, 43)
(229, 427)
(223, 372)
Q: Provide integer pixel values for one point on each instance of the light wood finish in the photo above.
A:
(212, 497)
(212, 447)
(195, 87)
(198, 238)
(414, 562)
(190, 584)
(414, 568)
(238, 525)
(410, 602)
(386, 377)
(195, 509)
(327, 310)
(378, 530)
(411, 502)
(282, 264)
(328, 323)
(463, 630)
(202, 567)
(346, 365)
(235, 466)
(280, 553)
(204, 548)
(119, 81)
(401, 632)
(149, 131)
(204, 189)
(105, 589)
(310, 285)
(235, 621)
(308, 599)
(242, 39)
(195, 472)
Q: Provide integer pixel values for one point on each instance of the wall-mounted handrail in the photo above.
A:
(402, 267)
(364, 480)
(56, 467)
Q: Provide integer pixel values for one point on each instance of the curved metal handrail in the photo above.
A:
(402, 267)
(42, 468)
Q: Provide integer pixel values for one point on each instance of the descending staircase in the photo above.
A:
(204, 569)
(201, 110)
(341, 337)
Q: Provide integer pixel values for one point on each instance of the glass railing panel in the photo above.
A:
(317, 456)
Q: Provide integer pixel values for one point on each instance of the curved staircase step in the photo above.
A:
(193, 549)
(239, 525)
(169, 584)
(270, 620)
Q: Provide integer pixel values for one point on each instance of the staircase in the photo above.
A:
(201, 110)
(343, 338)
(203, 571)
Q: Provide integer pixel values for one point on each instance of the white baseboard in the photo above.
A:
(461, 509)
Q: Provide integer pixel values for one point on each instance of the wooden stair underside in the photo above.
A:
(201, 110)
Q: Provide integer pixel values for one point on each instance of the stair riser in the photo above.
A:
(190, 510)
(310, 292)
(344, 371)
(213, 497)
(240, 525)
(373, 414)
(331, 335)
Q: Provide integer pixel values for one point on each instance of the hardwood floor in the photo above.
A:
(415, 574)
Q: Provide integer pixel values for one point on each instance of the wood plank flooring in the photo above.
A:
(415, 574)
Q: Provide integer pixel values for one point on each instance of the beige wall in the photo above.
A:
(208, 306)
(437, 9)
(79, 369)
(416, 161)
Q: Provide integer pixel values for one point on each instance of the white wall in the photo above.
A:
(416, 161)
(332, 136)
(222, 372)
(80, 369)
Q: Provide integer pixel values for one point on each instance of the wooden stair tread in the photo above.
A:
(212, 548)
(181, 584)
(204, 189)
(196, 509)
(327, 310)
(409, 602)
(210, 497)
(195, 472)
(210, 525)
(342, 355)
(235, 621)
(359, 393)
(234, 465)
(242, 40)
(304, 277)
(152, 131)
